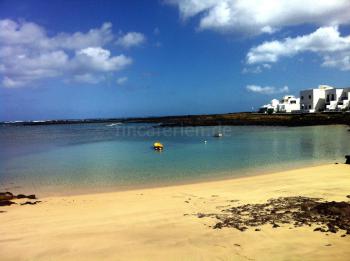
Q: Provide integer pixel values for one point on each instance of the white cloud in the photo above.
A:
(28, 54)
(325, 41)
(8, 82)
(340, 60)
(24, 67)
(122, 80)
(88, 78)
(131, 39)
(267, 89)
(99, 59)
(262, 16)
(32, 35)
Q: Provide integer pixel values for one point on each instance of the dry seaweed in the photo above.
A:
(298, 211)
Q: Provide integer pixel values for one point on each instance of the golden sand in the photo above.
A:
(150, 224)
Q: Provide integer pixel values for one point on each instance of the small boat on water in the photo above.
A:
(113, 124)
(158, 146)
(218, 135)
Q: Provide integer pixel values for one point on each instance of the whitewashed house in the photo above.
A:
(324, 98)
(344, 103)
(337, 99)
(289, 104)
(314, 100)
(271, 107)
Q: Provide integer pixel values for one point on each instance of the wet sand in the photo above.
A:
(162, 223)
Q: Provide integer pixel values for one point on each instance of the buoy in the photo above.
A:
(158, 146)
(205, 142)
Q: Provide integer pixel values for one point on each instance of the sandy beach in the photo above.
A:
(162, 223)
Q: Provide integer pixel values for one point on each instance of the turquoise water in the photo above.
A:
(68, 159)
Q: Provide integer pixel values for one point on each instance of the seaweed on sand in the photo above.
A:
(298, 211)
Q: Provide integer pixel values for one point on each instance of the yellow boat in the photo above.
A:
(158, 146)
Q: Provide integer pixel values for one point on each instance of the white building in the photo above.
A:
(324, 98)
(288, 104)
(271, 107)
(314, 100)
(337, 99)
(344, 103)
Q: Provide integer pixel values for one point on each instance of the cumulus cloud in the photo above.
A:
(122, 80)
(32, 35)
(325, 41)
(267, 89)
(28, 54)
(262, 16)
(99, 59)
(131, 39)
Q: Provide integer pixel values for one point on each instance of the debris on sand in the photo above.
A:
(298, 211)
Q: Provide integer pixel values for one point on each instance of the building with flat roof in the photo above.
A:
(337, 99)
(323, 98)
(314, 100)
(287, 104)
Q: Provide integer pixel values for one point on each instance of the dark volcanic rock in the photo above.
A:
(6, 203)
(336, 209)
(30, 203)
(298, 211)
(6, 196)
(20, 196)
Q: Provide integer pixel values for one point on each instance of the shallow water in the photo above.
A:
(68, 159)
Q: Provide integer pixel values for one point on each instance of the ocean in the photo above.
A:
(79, 158)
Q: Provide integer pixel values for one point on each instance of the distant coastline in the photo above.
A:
(230, 119)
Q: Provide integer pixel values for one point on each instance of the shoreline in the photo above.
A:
(56, 190)
(229, 119)
(161, 223)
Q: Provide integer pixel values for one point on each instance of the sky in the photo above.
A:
(102, 59)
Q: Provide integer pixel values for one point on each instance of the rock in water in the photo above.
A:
(347, 159)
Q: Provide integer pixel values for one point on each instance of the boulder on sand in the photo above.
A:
(19, 196)
(6, 196)
(6, 203)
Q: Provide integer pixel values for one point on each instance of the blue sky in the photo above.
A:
(88, 59)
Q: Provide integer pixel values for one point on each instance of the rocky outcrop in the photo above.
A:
(233, 119)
